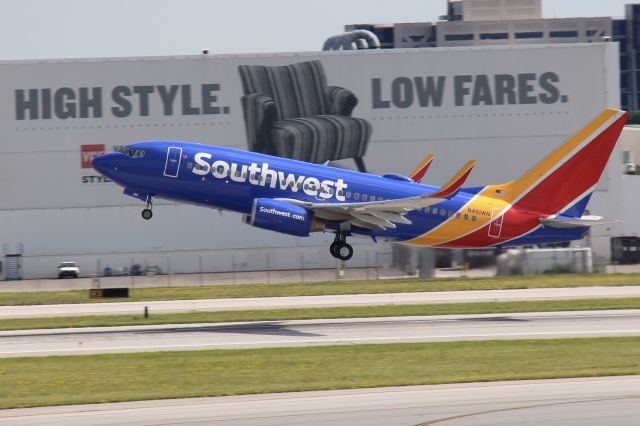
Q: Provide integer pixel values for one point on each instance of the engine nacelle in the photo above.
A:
(284, 217)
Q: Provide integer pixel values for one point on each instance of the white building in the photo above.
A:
(59, 113)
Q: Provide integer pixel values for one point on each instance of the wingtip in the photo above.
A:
(418, 173)
(456, 182)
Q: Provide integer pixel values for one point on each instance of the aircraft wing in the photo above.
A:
(377, 215)
(380, 215)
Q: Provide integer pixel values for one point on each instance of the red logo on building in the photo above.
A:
(88, 153)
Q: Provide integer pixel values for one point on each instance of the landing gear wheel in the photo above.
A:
(147, 213)
(333, 247)
(342, 251)
(339, 247)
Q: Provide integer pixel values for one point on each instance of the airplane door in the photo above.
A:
(495, 227)
(172, 166)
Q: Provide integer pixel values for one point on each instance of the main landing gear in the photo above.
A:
(147, 213)
(339, 247)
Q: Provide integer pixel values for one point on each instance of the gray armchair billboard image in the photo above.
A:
(290, 111)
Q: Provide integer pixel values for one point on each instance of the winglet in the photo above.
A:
(418, 173)
(456, 182)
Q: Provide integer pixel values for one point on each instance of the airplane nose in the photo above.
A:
(106, 163)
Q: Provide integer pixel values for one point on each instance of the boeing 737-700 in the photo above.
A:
(545, 205)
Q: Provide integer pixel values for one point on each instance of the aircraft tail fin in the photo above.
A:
(564, 180)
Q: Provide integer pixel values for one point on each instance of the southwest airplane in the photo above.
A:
(545, 205)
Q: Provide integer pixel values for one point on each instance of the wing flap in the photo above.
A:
(374, 220)
(366, 224)
(391, 217)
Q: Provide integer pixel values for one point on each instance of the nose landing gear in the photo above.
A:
(339, 248)
(147, 213)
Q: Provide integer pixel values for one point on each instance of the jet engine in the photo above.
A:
(281, 216)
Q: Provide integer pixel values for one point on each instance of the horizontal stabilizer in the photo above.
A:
(450, 188)
(564, 222)
(418, 173)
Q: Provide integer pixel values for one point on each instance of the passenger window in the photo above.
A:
(356, 196)
(442, 212)
(348, 194)
(473, 218)
(457, 215)
(426, 209)
(450, 213)
(466, 217)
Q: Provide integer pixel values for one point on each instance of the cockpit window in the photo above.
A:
(131, 152)
(135, 153)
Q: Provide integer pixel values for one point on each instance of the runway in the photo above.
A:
(540, 325)
(614, 401)
(210, 305)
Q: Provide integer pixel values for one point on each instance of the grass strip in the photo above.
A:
(328, 288)
(322, 313)
(60, 380)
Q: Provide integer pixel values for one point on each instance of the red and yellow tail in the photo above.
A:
(562, 182)
(571, 171)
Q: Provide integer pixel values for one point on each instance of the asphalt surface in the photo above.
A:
(540, 325)
(611, 401)
(177, 306)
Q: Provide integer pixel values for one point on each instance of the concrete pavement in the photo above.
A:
(540, 325)
(611, 401)
(211, 305)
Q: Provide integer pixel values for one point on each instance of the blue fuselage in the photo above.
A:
(231, 179)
